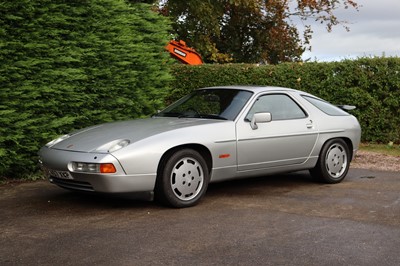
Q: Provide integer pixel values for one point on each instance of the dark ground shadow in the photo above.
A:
(239, 187)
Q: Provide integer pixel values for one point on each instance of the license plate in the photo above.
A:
(58, 174)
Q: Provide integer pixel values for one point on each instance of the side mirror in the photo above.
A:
(260, 118)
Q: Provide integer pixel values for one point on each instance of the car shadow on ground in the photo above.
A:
(273, 184)
(99, 201)
(274, 181)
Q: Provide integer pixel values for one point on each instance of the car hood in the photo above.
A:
(92, 138)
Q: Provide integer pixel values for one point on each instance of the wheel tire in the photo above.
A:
(183, 179)
(333, 162)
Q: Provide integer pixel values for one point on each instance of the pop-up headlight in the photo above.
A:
(114, 145)
(57, 140)
(119, 145)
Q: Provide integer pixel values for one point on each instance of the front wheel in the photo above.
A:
(333, 162)
(183, 179)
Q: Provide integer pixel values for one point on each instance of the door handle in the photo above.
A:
(310, 124)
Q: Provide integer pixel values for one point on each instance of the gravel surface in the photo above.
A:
(376, 161)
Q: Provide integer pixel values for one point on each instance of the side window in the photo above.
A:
(281, 107)
(325, 107)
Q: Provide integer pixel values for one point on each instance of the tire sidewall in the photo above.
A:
(322, 168)
(167, 194)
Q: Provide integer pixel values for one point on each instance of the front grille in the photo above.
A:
(72, 184)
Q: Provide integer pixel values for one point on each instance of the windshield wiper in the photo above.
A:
(193, 115)
(190, 116)
(213, 117)
(204, 116)
(168, 114)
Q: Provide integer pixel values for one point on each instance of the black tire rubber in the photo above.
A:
(334, 155)
(194, 175)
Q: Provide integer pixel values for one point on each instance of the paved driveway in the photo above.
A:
(275, 220)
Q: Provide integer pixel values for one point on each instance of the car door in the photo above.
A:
(287, 139)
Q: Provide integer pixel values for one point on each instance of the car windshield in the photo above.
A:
(224, 104)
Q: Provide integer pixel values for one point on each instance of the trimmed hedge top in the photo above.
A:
(66, 65)
(372, 84)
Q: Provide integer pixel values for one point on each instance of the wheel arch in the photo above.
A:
(347, 140)
(204, 152)
(349, 146)
(328, 171)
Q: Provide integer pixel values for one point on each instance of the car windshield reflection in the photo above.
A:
(222, 104)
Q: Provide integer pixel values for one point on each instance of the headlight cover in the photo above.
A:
(57, 140)
(114, 145)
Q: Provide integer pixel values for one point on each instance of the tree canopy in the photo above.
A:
(251, 31)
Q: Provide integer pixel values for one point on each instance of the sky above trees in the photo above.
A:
(374, 31)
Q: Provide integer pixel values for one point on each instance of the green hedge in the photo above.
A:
(66, 65)
(372, 84)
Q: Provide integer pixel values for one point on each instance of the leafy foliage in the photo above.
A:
(249, 31)
(373, 85)
(70, 64)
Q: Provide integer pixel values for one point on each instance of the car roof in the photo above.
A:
(255, 89)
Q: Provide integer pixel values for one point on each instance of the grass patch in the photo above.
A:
(388, 149)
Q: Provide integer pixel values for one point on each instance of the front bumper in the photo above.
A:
(54, 161)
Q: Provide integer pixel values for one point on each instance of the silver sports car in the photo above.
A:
(213, 134)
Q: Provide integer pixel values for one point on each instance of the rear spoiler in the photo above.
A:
(346, 107)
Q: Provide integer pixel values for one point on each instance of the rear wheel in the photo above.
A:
(183, 179)
(333, 162)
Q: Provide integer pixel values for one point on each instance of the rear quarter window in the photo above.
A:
(325, 107)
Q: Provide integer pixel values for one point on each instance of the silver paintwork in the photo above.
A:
(236, 149)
